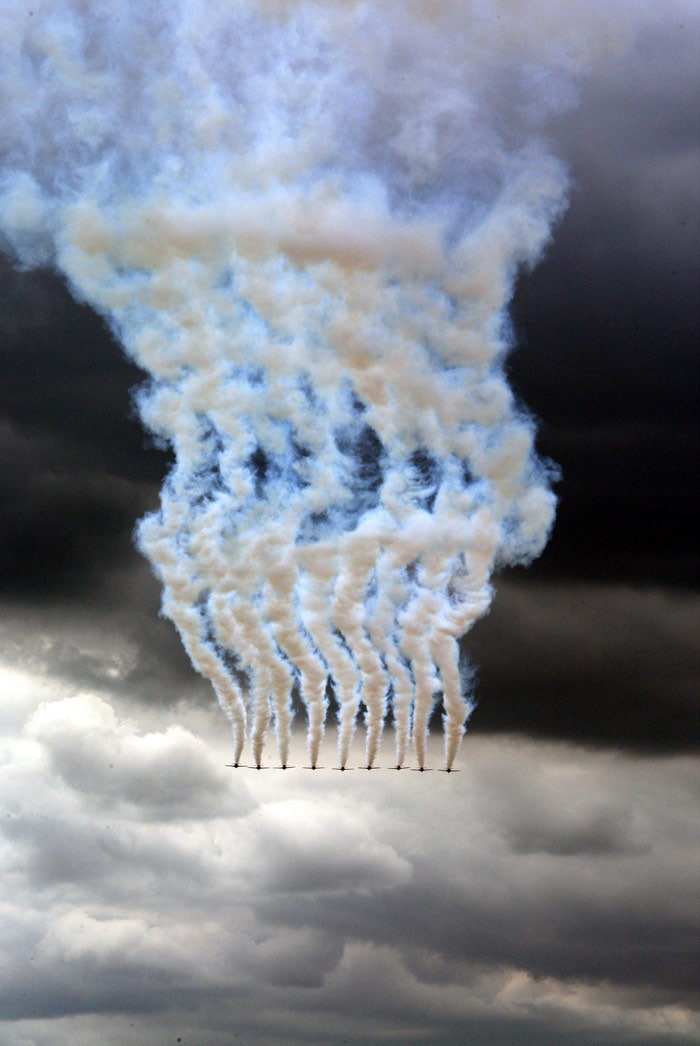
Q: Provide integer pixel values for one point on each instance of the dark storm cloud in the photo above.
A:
(610, 321)
(607, 664)
(64, 376)
(116, 642)
(63, 524)
(76, 472)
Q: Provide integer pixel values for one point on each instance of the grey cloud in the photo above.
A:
(63, 523)
(65, 378)
(543, 809)
(608, 324)
(347, 856)
(510, 868)
(602, 832)
(402, 898)
(531, 922)
(397, 1005)
(297, 959)
(611, 664)
(119, 645)
(164, 775)
(65, 851)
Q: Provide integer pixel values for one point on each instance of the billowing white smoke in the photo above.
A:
(304, 220)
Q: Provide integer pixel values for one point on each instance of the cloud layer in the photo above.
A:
(544, 887)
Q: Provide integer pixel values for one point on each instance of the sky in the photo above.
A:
(548, 891)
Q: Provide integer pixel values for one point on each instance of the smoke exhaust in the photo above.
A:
(304, 220)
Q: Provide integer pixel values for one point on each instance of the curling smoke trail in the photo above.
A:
(304, 220)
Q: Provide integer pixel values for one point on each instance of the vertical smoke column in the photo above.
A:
(304, 220)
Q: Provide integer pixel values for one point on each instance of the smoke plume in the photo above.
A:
(304, 220)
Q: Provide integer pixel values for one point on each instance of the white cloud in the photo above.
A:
(342, 837)
(167, 774)
(542, 888)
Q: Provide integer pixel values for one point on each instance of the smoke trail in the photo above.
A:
(304, 219)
